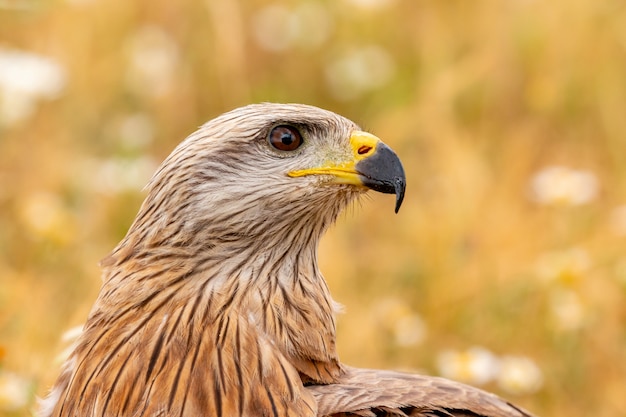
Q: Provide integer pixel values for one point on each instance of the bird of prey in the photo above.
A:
(213, 303)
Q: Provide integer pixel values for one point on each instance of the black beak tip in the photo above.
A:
(399, 185)
(383, 172)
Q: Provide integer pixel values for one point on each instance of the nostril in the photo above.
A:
(364, 149)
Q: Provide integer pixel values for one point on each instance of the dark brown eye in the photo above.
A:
(285, 138)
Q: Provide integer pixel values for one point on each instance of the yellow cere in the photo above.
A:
(363, 145)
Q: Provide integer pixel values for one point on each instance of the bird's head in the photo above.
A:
(263, 169)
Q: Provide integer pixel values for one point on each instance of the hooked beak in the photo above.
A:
(373, 165)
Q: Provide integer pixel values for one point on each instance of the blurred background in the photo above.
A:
(505, 267)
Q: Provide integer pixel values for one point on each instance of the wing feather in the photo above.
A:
(365, 392)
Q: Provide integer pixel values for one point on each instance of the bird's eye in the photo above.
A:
(285, 138)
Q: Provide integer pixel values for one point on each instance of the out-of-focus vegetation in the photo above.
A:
(506, 266)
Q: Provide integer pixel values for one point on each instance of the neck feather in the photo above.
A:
(267, 273)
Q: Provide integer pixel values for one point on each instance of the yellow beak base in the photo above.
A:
(363, 144)
(373, 165)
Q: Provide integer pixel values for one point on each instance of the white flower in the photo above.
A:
(562, 185)
(409, 330)
(278, 28)
(476, 365)
(566, 268)
(153, 61)
(44, 214)
(15, 391)
(565, 274)
(117, 174)
(519, 375)
(568, 310)
(405, 325)
(26, 78)
(359, 70)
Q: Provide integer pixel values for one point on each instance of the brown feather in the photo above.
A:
(364, 391)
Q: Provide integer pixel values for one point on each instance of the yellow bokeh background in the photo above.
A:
(509, 116)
